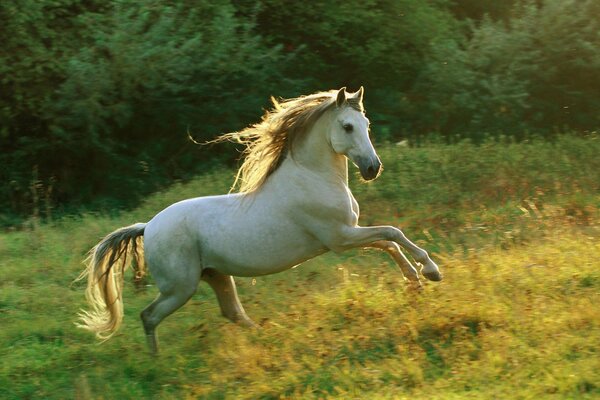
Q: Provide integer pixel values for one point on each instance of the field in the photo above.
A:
(515, 228)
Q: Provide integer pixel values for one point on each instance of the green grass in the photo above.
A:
(515, 228)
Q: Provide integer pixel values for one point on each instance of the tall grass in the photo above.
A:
(515, 228)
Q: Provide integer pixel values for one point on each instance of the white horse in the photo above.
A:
(294, 204)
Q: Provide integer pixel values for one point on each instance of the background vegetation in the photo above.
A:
(484, 114)
(514, 226)
(97, 98)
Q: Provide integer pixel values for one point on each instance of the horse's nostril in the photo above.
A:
(378, 167)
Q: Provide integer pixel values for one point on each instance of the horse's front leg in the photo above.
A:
(392, 248)
(357, 236)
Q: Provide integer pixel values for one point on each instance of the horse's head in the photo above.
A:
(349, 134)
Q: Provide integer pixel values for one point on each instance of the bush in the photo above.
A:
(379, 44)
(534, 73)
(100, 103)
(96, 98)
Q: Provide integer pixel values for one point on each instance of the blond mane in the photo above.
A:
(268, 141)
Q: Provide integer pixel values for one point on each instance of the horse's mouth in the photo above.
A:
(370, 168)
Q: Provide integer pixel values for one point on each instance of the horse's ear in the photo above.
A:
(359, 94)
(340, 100)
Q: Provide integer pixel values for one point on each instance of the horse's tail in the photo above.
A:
(106, 264)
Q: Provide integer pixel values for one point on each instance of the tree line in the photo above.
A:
(97, 98)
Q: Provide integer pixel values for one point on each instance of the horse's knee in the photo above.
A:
(147, 321)
(165, 304)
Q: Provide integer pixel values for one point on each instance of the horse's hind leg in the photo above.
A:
(164, 305)
(392, 248)
(224, 287)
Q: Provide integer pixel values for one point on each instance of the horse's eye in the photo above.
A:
(348, 128)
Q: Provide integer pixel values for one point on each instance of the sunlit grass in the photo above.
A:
(516, 316)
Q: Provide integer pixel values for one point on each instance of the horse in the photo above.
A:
(293, 204)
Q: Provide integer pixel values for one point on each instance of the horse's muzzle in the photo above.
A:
(369, 168)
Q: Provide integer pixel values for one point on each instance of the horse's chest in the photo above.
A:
(344, 210)
(353, 218)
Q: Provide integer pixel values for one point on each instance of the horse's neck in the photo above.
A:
(314, 153)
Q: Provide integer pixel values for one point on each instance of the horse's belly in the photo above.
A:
(240, 239)
(260, 252)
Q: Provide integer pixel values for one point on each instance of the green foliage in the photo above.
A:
(478, 9)
(466, 175)
(100, 103)
(534, 72)
(97, 98)
(379, 44)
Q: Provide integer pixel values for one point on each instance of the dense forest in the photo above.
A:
(98, 99)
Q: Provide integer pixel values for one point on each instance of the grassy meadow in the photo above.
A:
(515, 228)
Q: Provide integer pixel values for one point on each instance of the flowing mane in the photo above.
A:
(268, 141)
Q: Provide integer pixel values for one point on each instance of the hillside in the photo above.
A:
(515, 227)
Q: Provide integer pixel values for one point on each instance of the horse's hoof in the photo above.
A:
(414, 283)
(415, 286)
(434, 276)
(248, 323)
